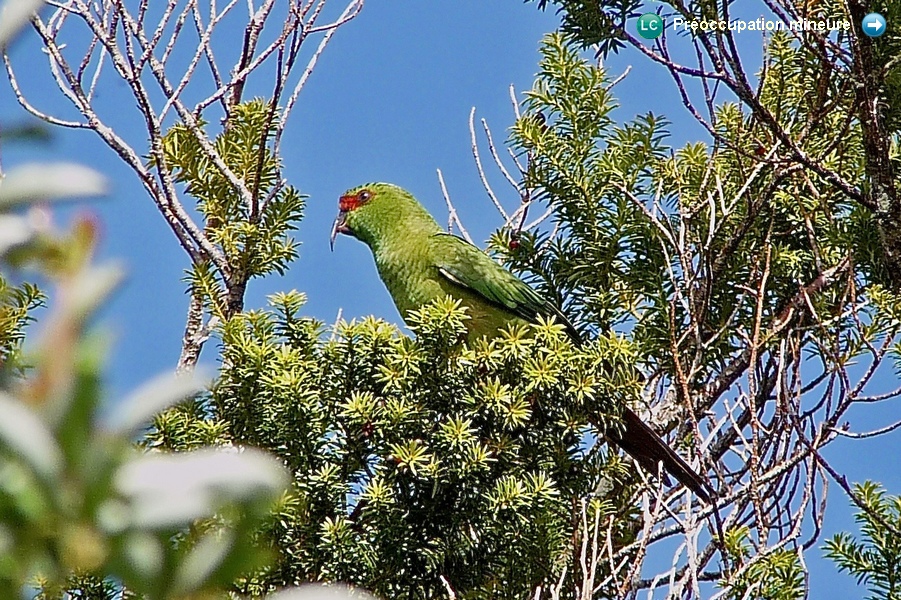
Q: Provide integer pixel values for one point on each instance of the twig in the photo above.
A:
(452, 217)
(475, 154)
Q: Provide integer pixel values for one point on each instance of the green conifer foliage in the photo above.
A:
(419, 458)
(254, 237)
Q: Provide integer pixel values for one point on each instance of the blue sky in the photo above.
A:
(389, 101)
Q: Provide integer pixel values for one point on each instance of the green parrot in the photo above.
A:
(419, 262)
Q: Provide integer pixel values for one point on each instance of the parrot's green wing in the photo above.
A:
(465, 265)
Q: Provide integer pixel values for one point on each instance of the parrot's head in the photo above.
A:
(376, 211)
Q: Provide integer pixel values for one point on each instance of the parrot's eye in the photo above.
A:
(364, 196)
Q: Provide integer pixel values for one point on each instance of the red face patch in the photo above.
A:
(348, 203)
(353, 201)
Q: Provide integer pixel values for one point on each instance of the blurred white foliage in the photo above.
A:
(24, 433)
(158, 394)
(171, 490)
(50, 181)
(321, 592)
(13, 16)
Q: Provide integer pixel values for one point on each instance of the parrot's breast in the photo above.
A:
(413, 280)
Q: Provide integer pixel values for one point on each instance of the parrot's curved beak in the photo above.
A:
(339, 226)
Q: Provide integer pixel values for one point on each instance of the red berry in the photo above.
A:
(514, 244)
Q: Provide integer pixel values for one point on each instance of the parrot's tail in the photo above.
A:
(649, 450)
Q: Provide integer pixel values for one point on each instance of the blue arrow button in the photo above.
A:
(873, 25)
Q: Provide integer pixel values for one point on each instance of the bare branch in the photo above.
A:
(139, 45)
(475, 154)
(452, 217)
